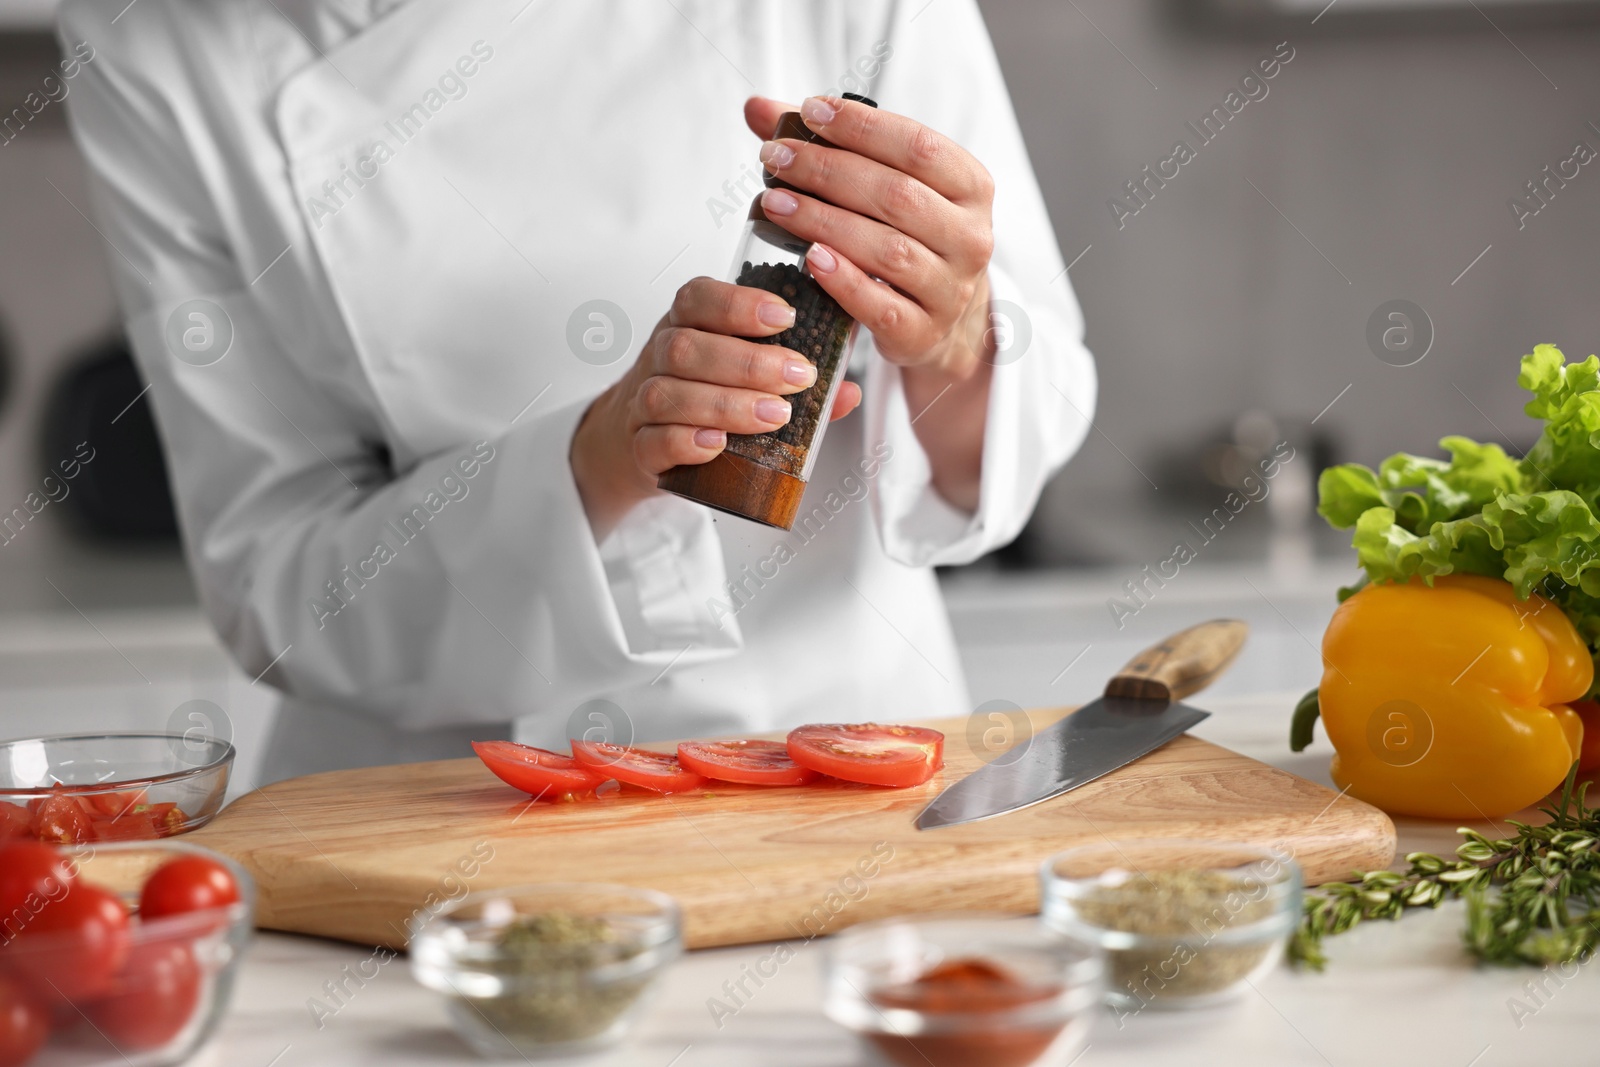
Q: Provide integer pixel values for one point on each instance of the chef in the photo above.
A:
(427, 293)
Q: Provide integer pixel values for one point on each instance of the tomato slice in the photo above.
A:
(659, 772)
(112, 804)
(750, 762)
(547, 775)
(869, 753)
(62, 820)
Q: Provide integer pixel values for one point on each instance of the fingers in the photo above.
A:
(900, 327)
(664, 399)
(900, 143)
(680, 352)
(864, 186)
(847, 400)
(880, 250)
(733, 310)
(658, 448)
(761, 114)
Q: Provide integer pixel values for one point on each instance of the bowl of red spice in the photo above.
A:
(82, 788)
(964, 990)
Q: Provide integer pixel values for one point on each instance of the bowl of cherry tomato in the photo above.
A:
(121, 953)
(84, 788)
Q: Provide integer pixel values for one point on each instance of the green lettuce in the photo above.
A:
(1531, 521)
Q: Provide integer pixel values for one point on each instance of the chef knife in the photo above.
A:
(1140, 712)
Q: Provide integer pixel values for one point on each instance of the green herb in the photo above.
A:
(552, 991)
(1532, 521)
(1533, 898)
(1185, 910)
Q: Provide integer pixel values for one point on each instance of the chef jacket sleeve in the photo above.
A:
(466, 589)
(942, 71)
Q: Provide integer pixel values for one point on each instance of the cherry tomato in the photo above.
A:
(750, 762)
(658, 772)
(32, 874)
(73, 946)
(1589, 752)
(60, 818)
(152, 997)
(867, 752)
(24, 1023)
(15, 821)
(188, 883)
(547, 775)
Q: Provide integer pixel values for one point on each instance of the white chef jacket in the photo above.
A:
(373, 480)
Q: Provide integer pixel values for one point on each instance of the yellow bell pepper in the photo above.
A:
(1451, 701)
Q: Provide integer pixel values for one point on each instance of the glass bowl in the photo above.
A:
(111, 787)
(964, 989)
(547, 970)
(172, 987)
(1183, 923)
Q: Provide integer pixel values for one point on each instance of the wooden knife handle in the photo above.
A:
(1184, 663)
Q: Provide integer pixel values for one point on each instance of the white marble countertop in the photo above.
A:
(1403, 993)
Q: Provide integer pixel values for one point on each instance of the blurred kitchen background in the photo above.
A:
(1228, 315)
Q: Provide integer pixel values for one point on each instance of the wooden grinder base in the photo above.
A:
(740, 487)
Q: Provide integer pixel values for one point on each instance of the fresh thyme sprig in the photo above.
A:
(1532, 898)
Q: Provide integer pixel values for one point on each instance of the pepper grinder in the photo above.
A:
(763, 476)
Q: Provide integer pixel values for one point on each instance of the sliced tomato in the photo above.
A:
(62, 820)
(750, 762)
(659, 772)
(112, 804)
(547, 775)
(167, 817)
(868, 752)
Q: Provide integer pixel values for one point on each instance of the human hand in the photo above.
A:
(894, 200)
(696, 380)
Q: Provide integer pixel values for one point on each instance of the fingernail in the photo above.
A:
(817, 111)
(822, 261)
(772, 314)
(770, 409)
(711, 438)
(776, 154)
(778, 202)
(799, 372)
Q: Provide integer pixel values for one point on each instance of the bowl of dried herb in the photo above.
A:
(1182, 923)
(547, 970)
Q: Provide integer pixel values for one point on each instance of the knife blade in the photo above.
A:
(1139, 713)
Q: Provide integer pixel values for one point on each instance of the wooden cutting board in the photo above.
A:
(356, 854)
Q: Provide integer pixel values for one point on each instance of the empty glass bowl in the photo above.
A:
(111, 787)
